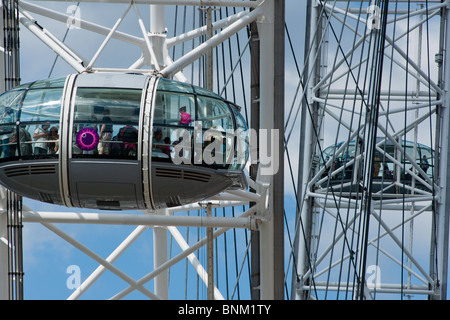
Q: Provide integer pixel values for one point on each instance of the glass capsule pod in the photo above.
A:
(391, 169)
(119, 141)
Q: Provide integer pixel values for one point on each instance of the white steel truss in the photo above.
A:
(154, 45)
(367, 225)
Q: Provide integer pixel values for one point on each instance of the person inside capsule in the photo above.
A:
(185, 118)
(41, 136)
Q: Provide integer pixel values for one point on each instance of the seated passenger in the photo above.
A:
(105, 134)
(424, 165)
(166, 147)
(128, 135)
(53, 145)
(24, 139)
(157, 141)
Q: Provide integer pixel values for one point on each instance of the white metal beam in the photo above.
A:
(100, 260)
(194, 261)
(137, 219)
(217, 3)
(94, 276)
(108, 37)
(200, 50)
(179, 257)
(83, 24)
(46, 37)
(192, 34)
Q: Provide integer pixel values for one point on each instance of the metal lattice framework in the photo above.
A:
(372, 217)
(157, 54)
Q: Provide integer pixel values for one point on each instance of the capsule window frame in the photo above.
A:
(10, 126)
(117, 149)
(230, 112)
(28, 124)
(384, 167)
(160, 114)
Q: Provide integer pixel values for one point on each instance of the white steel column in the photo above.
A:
(160, 246)
(3, 214)
(158, 33)
(2, 53)
(160, 256)
(303, 222)
(266, 34)
(443, 207)
(271, 110)
(3, 246)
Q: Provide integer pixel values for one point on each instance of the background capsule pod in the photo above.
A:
(119, 141)
(392, 171)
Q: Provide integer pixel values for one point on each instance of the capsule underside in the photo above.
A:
(119, 141)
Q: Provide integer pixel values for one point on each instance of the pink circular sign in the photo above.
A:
(87, 139)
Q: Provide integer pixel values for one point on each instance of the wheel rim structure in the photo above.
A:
(372, 97)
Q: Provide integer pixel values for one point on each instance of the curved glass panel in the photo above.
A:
(33, 123)
(192, 125)
(189, 145)
(39, 119)
(383, 164)
(33, 113)
(216, 120)
(9, 105)
(49, 83)
(205, 92)
(174, 86)
(42, 105)
(215, 114)
(106, 122)
(241, 152)
(174, 109)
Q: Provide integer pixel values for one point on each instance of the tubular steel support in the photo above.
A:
(443, 203)
(15, 250)
(4, 281)
(271, 33)
(11, 254)
(255, 115)
(351, 72)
